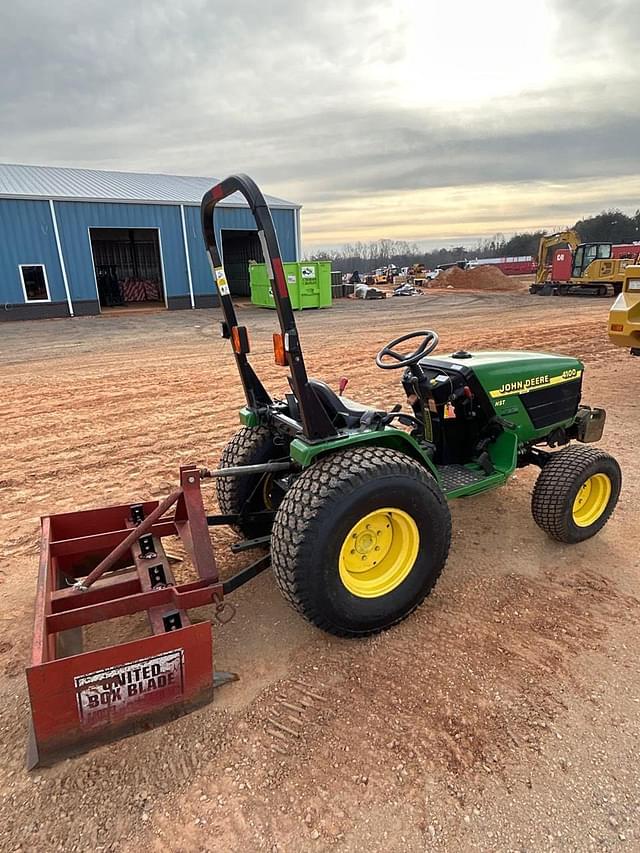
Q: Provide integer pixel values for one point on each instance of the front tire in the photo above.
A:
(360, 540)
(575, 493)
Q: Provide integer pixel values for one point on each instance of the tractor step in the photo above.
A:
(458, 476)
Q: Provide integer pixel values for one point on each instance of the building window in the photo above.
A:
(34, 283)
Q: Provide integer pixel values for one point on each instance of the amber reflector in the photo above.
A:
(240, 339)
(278, 349)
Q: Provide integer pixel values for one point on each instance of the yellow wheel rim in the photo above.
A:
(591, 500)
(379, 552)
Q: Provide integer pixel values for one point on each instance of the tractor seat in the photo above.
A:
(341, 410)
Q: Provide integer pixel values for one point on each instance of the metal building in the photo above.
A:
(82, 241)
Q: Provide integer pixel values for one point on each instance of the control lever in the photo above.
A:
(343, 384)
(396, 415)
(504, 423)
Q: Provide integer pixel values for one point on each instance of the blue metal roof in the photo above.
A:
(69, 184)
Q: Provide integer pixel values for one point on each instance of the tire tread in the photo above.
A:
(551, 492)
(326, 481)
(242, 449)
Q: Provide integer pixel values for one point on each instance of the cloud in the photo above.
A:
(344, 106)
(461, 215)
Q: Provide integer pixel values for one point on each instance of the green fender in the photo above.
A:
(503, 452)
(305, 453)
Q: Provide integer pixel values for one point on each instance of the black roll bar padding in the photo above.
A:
(316, 423)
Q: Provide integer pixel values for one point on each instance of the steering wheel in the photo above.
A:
(428, 344)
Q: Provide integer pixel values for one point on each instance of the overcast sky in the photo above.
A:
(429, 120)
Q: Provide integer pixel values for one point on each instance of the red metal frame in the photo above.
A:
(79, 697)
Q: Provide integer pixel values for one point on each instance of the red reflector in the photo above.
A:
(216, 192)
(617, 327)
(278, 350)
(278, 274)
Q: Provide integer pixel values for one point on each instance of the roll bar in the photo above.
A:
(316, 423)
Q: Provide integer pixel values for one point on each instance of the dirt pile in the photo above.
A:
(485, 277)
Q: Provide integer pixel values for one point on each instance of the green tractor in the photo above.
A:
(353, 500)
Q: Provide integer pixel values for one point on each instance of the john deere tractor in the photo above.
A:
(353, 500)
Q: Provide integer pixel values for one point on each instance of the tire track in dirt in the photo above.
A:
(461, 692)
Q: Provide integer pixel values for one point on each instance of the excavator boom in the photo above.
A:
(549, 241)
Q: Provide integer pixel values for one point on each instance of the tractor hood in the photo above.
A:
(503, 373)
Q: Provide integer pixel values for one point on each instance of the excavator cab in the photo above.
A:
(586, 253)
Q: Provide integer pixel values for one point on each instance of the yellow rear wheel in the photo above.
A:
(591, 500)
(379, 552)
(360, 539)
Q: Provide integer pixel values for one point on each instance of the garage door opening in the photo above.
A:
(128, 266)
(239, 248)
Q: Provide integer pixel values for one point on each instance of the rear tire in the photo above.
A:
(250, 446)
(385, 505)
(575, 493)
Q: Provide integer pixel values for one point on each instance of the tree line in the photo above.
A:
(609, 226)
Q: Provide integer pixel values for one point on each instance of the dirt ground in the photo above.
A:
(504, 715)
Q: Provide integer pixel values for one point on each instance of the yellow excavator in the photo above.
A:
(594, 271)
(624, 317)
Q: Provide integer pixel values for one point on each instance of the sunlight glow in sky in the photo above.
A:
(453, 55)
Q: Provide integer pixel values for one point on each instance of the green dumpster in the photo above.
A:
(309, 284)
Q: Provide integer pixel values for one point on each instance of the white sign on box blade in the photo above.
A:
(108, 693)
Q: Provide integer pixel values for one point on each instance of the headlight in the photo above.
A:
(633, 284)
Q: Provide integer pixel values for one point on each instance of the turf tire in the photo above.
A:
(557, 486)
(249, 446)
(318, 511)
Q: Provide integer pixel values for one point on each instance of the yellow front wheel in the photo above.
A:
(576, 492)
(591, 500)
(378, 552)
